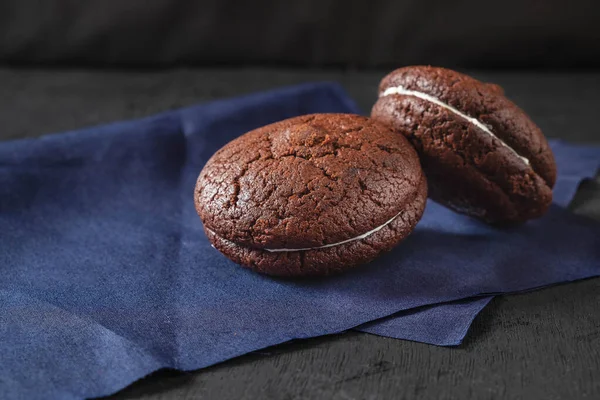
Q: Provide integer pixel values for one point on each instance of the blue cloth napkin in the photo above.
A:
(108, 276)
(447, 324)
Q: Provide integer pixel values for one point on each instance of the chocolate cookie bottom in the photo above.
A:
(327, 260)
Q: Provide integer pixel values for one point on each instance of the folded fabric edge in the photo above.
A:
(456, 316)
(430, 311)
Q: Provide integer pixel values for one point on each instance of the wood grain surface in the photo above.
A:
(540, 345)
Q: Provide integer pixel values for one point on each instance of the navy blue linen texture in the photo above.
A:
(108, 276)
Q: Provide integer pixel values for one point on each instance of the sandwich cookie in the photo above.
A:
(483, 156)
(311, 195)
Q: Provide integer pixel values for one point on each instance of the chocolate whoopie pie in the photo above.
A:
(481, 153)
(312, 195)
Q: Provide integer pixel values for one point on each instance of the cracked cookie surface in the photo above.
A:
(499, 169)
(307, 183)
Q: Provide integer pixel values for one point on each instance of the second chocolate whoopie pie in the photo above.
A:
(311, 195)
(483, 156)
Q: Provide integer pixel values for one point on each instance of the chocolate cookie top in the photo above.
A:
(314, 181)
(481, 104)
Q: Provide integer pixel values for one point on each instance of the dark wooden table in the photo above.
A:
(541, 345)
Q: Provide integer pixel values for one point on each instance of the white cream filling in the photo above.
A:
(364, 235)
(402, 91)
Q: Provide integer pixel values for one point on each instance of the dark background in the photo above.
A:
(66, 64)
(311, 33)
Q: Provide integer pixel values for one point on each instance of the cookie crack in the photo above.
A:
(238, 177)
